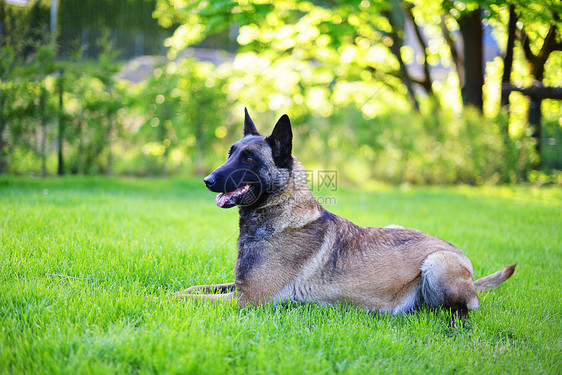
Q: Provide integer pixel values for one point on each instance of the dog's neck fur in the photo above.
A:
(293, 206)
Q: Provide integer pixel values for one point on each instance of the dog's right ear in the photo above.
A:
(281, 142)
(249, 127)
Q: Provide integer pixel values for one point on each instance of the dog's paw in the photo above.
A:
(194, 289)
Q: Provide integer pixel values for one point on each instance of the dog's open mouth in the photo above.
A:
(233, 198)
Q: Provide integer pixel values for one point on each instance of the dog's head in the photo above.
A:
(257, 167)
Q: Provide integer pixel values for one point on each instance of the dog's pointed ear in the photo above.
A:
(249, 127)
(281, 142)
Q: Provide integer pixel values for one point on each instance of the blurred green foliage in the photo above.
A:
(328, 66)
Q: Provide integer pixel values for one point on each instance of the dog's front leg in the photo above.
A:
(208, 297)
(209, 289)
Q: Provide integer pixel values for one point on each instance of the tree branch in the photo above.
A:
(395, 49)
(417, 81)
(457, 60)
(537, 61)
(427, 81)
(548, 44)
(537, 91)
(524, 39)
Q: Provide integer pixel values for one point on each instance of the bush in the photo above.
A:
(441, 148)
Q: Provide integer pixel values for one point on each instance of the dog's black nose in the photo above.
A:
(209, 181)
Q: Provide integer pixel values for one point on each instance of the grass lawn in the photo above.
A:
(82, 258)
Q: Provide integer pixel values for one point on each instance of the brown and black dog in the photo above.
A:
(292, 249)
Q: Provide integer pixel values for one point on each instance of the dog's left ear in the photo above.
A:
(281, 142)
(249, 127)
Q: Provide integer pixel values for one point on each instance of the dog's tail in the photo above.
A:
(494, 280)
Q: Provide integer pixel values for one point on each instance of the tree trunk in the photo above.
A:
(165, 155)
(162, 136)
(108, 140)
(200, 146)
(3, 164)
(507, 67)
(508, 59)
(60, 169)
(471, 31)
(81, 129)
(535, 122)
(81, 143)
(43, 122)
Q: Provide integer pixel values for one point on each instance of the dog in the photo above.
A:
(291, 249)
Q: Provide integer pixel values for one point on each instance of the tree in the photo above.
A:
(550, 43)
(105, 70)
(470, 25)
(182, 105)
(61, 125)
(330, 44)
(396, 20)
(23, 52)
(339, 44)
(7, 64)
(360, 43)
(42, 65)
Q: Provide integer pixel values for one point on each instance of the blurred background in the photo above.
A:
(421, 92)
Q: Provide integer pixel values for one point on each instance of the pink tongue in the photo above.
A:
(222, 198)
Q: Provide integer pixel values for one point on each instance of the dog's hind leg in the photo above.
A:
(447, 282)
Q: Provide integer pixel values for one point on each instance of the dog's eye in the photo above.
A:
(249, 159)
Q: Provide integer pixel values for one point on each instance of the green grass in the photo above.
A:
(82, 258)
